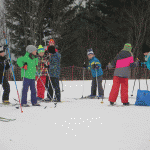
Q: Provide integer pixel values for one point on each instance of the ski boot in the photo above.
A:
(126, 104)
(46, 100)
(100, 96)
(90, 97)
(111, 103)
(39, 98)
(6, 102)
(36, 104)
(25, 105)
(55, 100)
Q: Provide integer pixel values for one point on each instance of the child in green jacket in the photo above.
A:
(28, 65)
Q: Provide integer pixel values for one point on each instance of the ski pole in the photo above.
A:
(13, 72)
(83, 82)
(104, 87)
(22, 84)
(2, 77)
(43, 85)
(52, 85)
(135, 73)
(146, 80)
(50, 80)
(62, 85)
(96, 83)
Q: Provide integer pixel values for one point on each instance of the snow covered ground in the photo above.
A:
(78, 124)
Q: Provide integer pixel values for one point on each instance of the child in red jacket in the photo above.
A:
(41, 72)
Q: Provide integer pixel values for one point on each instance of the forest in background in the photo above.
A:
(103, 25)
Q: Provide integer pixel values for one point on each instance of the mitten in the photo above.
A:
(24, 66)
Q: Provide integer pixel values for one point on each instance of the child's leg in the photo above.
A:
(50, 89)
(115, 89)
(46, 84)
(33, 91)
(37, 85)
(100, 88)
(24, 91)
(93, 88)
(55, 82)
(41, 87)
(6, 88)
(124, 90)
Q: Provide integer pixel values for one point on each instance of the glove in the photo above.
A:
(84, 65)
(5, 47)
(46, 54)
(7, 61)
(24, 66)
(38, 74)
(137, 62)
(46, 66)
(143, 63)
(95, 66)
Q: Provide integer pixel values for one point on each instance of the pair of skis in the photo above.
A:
(6, 119)
(116, 105)
(92, 97)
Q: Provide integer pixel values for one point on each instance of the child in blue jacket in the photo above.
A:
(146, 52)
(97, 72)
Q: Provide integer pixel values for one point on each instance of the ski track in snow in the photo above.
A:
(78, 124)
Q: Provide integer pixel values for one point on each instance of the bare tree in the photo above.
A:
(138, 16)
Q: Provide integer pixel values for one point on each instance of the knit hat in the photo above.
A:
(31, 48)
(90, 51)
(51, 41)
(127, 47)
(40, 49)
(145, 48)
(1, 49)
(51, 49)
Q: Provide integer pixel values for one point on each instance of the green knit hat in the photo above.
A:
(40, 49)
(127, 47)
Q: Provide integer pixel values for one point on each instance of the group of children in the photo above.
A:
(46, 70)
(122, 63)
(40, 64)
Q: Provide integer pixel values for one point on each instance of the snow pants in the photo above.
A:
(6, 88)
(26, 84)
(117, 81)
(41, 86)
(55, 85)
(94, 86)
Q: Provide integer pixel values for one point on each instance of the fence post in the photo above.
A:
(72, 72)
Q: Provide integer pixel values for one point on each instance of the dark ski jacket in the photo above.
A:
(54, 67)
(7, 66)
(122, 63)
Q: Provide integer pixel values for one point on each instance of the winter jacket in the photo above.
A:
(147, 59)
(54, 68)
(97, 62)
(41, 68)
(56, 50)
(122, 63)
(7, 66)
(31, 66)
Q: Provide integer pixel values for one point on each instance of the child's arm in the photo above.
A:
(7, 64)
(148, 63)
(96, 64)
(22, 63)
(89, 66)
